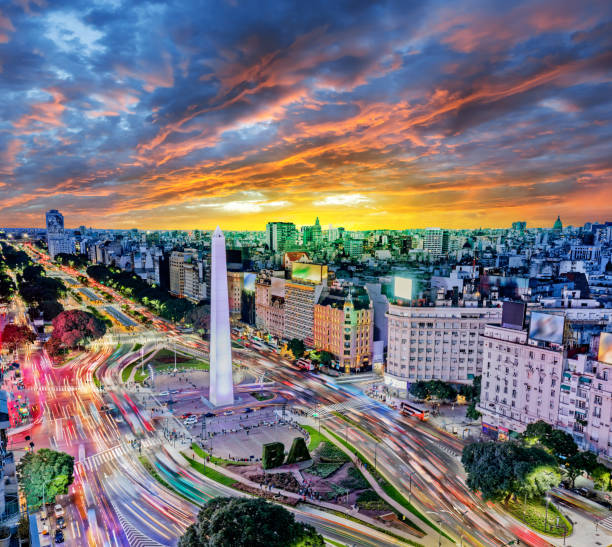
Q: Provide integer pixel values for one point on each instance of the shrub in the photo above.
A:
(273, 455)
(298, 451)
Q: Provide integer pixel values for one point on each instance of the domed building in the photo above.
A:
(557, 226)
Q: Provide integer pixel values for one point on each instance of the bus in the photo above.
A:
(413, 409)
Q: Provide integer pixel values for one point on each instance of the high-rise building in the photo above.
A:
(179, 260)
(234, 288)
(345, 329)
(519, 226)
(443, 343)
(281, 236)
(9, 496)
(300, 301)
(57, 239)
(270, 303)
(436, 241)
(221, 383)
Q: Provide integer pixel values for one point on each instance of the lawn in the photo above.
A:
(164, 361)
(262, 395)
(331, 453)
(140, 374)
(210, 473)
(534, 516)
(315, 437)
(127, 372)
(389, 489)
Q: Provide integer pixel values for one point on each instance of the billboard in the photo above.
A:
(605, 348)
(546, 328)
(249, 282)
(402, 287)
(277, 286)
(513, 315)
(311, 273)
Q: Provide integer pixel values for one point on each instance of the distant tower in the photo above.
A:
(221, 384)
(557, 226)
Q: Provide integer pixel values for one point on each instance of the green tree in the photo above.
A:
(7, 287)
(297, 347)
(536, 432)
(471, 412)
(500, 469)
(579, 463)
(601, 476)
(247, 522)
(419, 390)
(325, 358)
(48, 468)
(273, 455)
(298, 451)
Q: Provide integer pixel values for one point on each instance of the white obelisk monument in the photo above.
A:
(221, 384)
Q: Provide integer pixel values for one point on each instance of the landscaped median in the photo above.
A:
(221, 478)
(211, 473)
(387, 487)
(533, 514)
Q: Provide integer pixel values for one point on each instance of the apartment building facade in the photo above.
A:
(346, 331)
(300, 301)
(426, 343)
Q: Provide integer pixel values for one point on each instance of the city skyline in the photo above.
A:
(370, 116)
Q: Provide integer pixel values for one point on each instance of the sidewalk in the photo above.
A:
(292, 495)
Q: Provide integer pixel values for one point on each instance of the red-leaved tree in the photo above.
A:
(75, 327)
(15, 336)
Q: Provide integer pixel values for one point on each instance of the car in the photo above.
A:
(164, 393)
(209, 415)
(248, 410)
(59, 536)
(59, 511)
(119, 419)
(60, 522)
(228, 412)
(185, 416)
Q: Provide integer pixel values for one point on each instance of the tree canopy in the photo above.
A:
(75, 327)
(436, 389)
(48, 468)
(297, 347)
(132, 286)
(247, 522)
(500, 469)
(15, 336)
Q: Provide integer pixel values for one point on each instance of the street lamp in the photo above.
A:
(546, 515)
(375, 447)
(410, 473)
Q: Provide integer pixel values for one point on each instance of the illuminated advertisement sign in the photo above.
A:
(249, 282)
(402, 287)
(605, 348)
(546, 328)
(312, 273)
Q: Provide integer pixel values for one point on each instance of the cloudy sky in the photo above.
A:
(189, 114)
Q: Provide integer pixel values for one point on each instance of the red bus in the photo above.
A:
(413, 409)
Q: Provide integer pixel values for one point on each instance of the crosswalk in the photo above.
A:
(96, 460)
(351, 404)
(135, 537)
(606, 523)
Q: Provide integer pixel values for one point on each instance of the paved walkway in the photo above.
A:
(292, 495)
